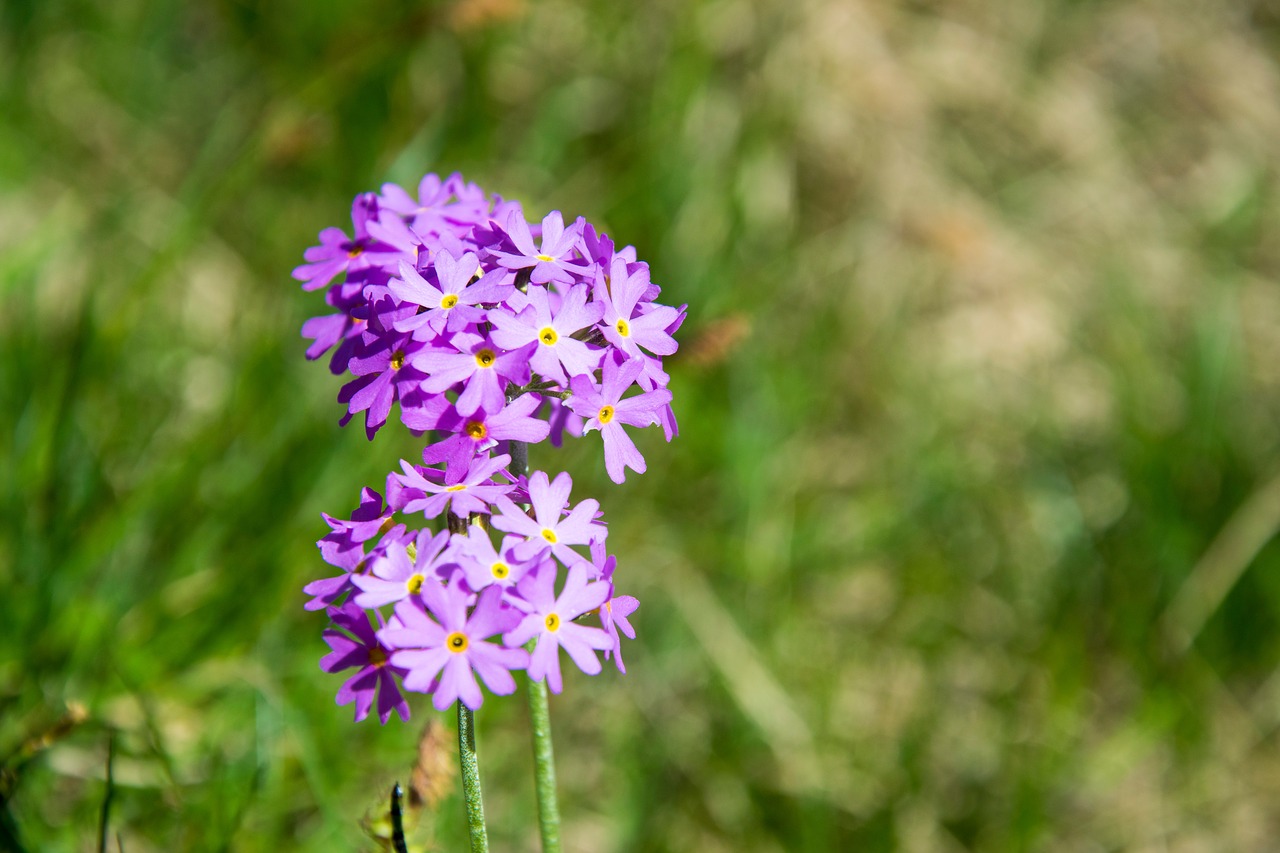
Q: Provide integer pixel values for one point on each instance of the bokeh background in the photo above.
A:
(965, 543)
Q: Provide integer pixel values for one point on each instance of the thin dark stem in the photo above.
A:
(397, 820)
(471, 779)
(105, 819)
(519, 458)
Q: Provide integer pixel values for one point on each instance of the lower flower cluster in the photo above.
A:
(461, 606)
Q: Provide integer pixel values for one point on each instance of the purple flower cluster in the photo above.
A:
(490, 334)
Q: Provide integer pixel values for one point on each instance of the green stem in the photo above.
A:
(544, 767)
(544, 759)
(471, 779)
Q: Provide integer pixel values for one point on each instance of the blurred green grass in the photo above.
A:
(965, 543)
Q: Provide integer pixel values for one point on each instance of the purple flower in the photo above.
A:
(344, 545)
(473, 491)
(552, 262)
(561, 420)
(483, 565)
(479, 431)
(337, 254)
(620, 292)
(402, 571)
(547, 528)
(383, 375)
(616, 609)
(550, 619)
(477, 362)
(551, 333)
(426, 214)
(450, 306)
(326, 331)
(441, 206)
(606, 410)
(443, 655)
(361, 649)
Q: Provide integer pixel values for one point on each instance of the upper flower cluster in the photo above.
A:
(488, 332)
(451, 292)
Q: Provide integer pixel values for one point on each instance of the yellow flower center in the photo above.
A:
(450, 300)
(544, 258)
(414, 584)
(605, 414)
(549, 535)
(548, 336)
(476, 430)
(355, 252)
(623, 328)
(500, 570)
(486, 357)
(456, 488)
(552, 622)
(456, 642)
(377, 658)
(397, 359)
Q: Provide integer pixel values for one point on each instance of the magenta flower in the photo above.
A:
(473, 491)
(426, 213)
(452, 305)
(443, 655)
(551, 333)
(550, 619)
(338, 254)
(616, 609)
(383, 375)
(399, 574)
(360, 648)
(562, 420)
(554, 260)
(479, 431)
(326, 331)
(441, 206)
(483, 565)
(620, 292)
(368, 520)
(607, 411)
(547, 529)
(343, 547)
(486, 369)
